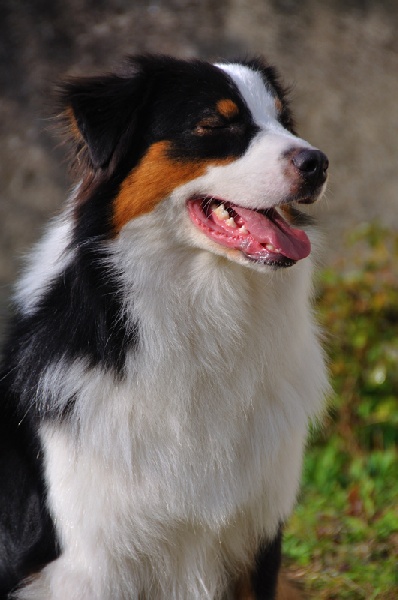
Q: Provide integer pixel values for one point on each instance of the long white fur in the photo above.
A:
(166, 478)
(48, 259)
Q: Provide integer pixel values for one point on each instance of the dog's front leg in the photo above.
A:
(263, 581)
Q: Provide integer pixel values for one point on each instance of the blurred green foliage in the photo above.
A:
(343, 538)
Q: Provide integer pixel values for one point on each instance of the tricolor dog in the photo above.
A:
(163, 363)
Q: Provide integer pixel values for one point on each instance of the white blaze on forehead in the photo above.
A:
(258, 98)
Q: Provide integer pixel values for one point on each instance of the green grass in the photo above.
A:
(342, 541)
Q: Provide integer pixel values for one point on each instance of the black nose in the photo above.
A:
(312, 164)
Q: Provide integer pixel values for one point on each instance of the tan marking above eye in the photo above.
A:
(227, 108)
(153, 179)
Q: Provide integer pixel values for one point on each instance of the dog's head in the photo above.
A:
(211, 147)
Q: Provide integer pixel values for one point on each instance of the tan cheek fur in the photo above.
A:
(155, 177)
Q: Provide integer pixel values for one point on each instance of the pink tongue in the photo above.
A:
(293, 243)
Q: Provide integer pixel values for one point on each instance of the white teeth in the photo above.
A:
(243, 229)
(230, 222)
(220, 212)
(272, 248)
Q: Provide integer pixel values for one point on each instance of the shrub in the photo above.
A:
(344, 534)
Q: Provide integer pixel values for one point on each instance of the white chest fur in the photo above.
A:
(197, 452)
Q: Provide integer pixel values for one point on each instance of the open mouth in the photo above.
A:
(263, 236)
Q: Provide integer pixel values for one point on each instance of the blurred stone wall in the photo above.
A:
(339, 56)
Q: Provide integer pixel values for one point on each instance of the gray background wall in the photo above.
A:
(340, 56)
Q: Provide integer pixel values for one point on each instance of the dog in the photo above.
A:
(163, 363)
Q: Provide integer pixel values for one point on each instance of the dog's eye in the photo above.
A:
(203, 129)
(214, 124)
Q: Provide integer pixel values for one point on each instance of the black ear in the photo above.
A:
(99, 110)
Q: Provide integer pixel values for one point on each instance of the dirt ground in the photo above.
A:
(339, 56)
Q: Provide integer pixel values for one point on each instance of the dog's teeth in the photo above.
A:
(278, 250)
(243, 229)
(220, 212)
(270, 247)
(230, 222)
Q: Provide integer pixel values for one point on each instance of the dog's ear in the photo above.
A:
(99, 111)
